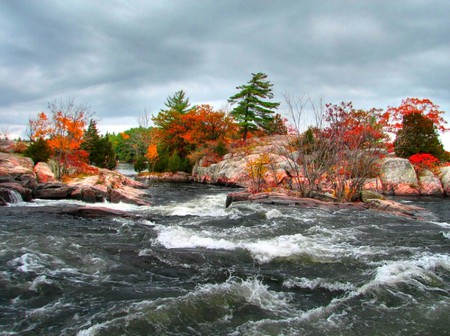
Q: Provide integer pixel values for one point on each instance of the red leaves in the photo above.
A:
(424, 161)
(415, 105)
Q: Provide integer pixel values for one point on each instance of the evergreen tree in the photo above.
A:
(418, 135)
(100, 149)
(252, 112)
(178, 102)
(39, 151)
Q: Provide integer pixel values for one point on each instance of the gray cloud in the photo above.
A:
(124, 57)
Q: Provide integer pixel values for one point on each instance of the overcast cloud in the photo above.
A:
(125, 57)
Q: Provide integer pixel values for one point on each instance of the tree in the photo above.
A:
(152, 156)
(418, 135)
(178, 102)
(252, 112)
(39, 151)
(64, 133)
(425, 107)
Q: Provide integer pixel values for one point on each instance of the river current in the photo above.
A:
(188, 266)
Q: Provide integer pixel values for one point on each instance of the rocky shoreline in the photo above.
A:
(19, 177)
(397, 176)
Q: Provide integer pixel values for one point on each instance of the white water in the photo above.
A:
(192, 267)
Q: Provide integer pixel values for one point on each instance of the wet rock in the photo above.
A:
(128, 195)
(96, 212)
(25, 193)
(53, 191)
(396, 208)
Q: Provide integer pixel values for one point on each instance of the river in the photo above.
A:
(188, 266)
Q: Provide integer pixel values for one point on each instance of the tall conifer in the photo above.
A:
(252, 112)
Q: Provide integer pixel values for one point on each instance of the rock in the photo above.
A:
(8, 196)
(398, 177)
(445, 179)
(15, 168)
(396, 208)
(128, 195)
(373, 184)
(96, 212)
(111, 186)
(44, 173)
(367, 195)
(430, 185)
(180, 177)
(25, 193)
(53, 191)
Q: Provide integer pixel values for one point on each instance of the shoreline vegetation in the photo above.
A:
(345, 157)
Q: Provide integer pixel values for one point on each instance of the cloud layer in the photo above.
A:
(124, 58)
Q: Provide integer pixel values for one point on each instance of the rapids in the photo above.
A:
(188, 266)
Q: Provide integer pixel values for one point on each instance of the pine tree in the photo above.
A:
(100, 149)
(178, 102)
(418, 135)
(252, 112)
(39, 151)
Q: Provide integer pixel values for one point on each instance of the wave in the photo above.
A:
(198, 312)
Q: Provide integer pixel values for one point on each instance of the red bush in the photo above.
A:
(424, 161)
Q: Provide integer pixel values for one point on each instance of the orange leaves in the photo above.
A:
(152, 153)
(424, 107)
(124, 136)
(64, 134)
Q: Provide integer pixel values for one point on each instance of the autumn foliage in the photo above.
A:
(394, 115)
(63, 131)
(424, 161)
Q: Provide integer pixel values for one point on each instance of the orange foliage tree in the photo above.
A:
(63, 131)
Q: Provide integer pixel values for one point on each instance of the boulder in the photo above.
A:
(398, 177)
(44, 173)
(53, 191)
(445, 179)
(128, 195)
(430, 185)
(15, 168)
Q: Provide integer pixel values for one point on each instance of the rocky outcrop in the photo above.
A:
(109, 186)
(19, 176)
(232, 170)
(397, 176)
(15, 168)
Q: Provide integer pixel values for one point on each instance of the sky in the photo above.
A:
(124, 58)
